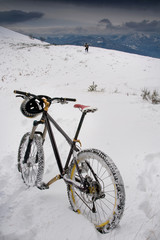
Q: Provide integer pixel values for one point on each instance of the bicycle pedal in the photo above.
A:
(43, 186)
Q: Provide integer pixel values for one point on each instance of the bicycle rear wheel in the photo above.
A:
(32, 170)
(103, 203)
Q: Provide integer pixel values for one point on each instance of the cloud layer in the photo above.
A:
(100, 2)
(15, 16)
(81, 17)
(143, 26)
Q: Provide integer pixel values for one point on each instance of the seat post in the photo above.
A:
(80, 125)
(74, 140)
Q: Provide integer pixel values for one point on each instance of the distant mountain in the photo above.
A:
(138, 43)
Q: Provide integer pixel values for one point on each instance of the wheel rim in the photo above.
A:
(105, 207)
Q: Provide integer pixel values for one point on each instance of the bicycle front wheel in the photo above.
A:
(31, 168)
(104, 200)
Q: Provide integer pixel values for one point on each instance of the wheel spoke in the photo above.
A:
(110, 195)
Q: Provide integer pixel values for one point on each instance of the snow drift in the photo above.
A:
(125, 127)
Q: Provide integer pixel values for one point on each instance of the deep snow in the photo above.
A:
(125, 127)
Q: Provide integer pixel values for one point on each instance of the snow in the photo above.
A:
(125, 127)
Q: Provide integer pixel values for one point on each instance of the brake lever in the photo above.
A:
(64, 102)
(20, 96)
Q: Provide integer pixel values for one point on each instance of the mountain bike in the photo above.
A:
(94, 185)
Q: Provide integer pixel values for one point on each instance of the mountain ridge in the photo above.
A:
(137, 43)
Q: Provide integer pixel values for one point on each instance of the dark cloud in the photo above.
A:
(100, 2)
(144, 26)
(15, 16)
(81, 16)
(105, 22)
(113, 3)
(118, 3)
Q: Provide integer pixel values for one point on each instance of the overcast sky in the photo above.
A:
(52, 17)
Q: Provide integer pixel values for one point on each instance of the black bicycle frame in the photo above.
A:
(47, 119)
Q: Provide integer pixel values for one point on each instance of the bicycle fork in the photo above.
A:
(35, 125)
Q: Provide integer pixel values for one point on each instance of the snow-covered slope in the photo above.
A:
(126, 127)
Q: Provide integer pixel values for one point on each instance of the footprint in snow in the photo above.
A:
(148, 183)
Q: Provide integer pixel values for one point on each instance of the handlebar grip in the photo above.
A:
(19, 92)
(70, 99)
(23, 93)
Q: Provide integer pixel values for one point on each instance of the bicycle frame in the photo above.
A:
(47, 120)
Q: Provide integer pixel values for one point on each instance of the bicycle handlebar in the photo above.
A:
(63, 99)
(59, 100)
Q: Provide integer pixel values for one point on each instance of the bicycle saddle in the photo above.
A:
(85, 109)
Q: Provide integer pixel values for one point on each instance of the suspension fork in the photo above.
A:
(35, 125)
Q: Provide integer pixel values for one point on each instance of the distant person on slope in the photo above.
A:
(86, 47)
